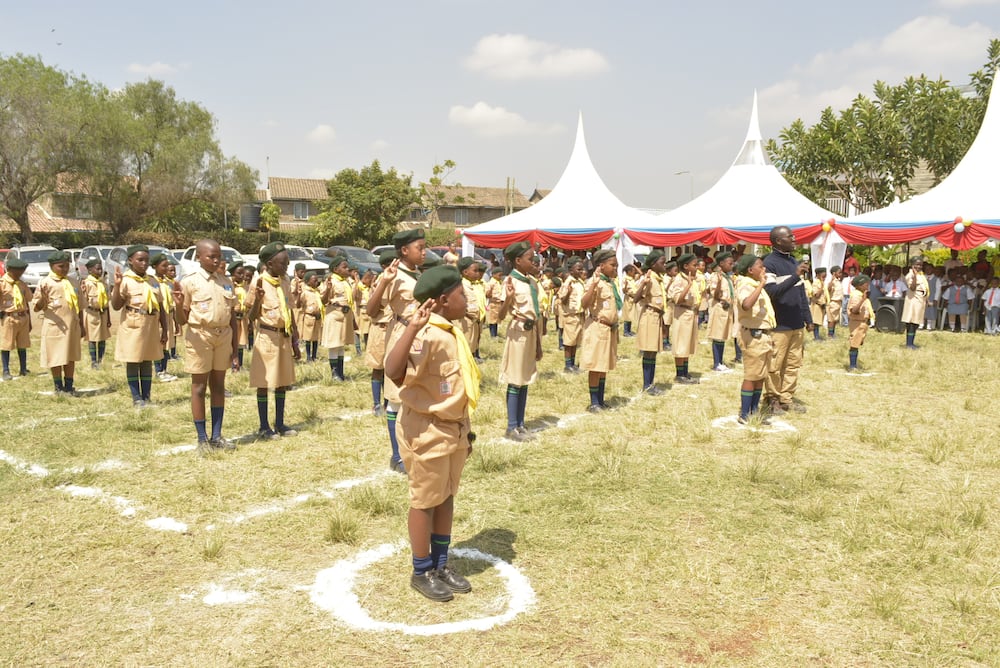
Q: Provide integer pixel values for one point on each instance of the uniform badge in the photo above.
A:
(417, 347)
(445, 388)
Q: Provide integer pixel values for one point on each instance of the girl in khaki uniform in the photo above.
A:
(755, 319)
(62, 322)
(276, 345)
(494, 299)
(630, 312)
(817, 302)
(238, 276)
(523, 347)
(570, 297)
(859, 312)
(602, 302)
(395, 291)
(475, 297)
(160, 265)
(683, 294)
(362, 293)
(835, 303)
(15, 319)
(670, 273)
(338, 324)
(380, 315)
(915, 302)
(313, 314)
(142, 330)
(650, 302)
(721, 314)
(96, 312)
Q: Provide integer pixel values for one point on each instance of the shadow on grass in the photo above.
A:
(496, 541)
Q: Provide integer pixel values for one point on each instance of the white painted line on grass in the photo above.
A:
(31, 469)
(732, 422)
(843, 372)
(219, 596)
(125, 507)
(166, 524)
(74, 418)
(334, 591)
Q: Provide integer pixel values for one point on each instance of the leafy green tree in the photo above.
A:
(435, 193)
(364, 206)
(43, 120)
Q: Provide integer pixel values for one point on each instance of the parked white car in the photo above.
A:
(189, 263)
(297, 254)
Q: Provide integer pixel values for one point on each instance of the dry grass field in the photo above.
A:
(866, 533)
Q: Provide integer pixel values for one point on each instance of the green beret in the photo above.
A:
(234, 265)
(435, 282)
(300, 265)
(432, 262)
(712, 266)
(313, 272)
(337, 260)
(744, 263)
(557, 282)
(157, 259)
(724, 255)
(93, 262)
(686, 258)
(516, 250)
(915, 259)
(672, 264)
(860, 280)
(651, 259)
(466, 262)
(386, 257)
(136, 248)
(18, 263)
(270, 250)
(820, 270)
(59, 256)
(601, 256)
(400, 239)
(573, 259)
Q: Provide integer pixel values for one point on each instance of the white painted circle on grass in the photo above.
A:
(857, 374)
(334, 592)
(732, 422)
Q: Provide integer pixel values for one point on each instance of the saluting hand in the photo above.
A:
(390, 271)
(422, 315)
(508, 284)
(259, 290)
(118, 276)
(178, 294)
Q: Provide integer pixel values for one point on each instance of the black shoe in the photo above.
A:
(776, 409)
(453, 580)
(397, 466)
(652, 390)
(685, 380)
(286, 431)
(523, 431)
(377, 411)
(267, 435)
(138, 403)
(204, 448)
(595, 408)
(795, 408)
(7, 376)
(24, 372)
(430, 586)
(95, 366)
(515, 435)
(221, 443)
(692, 379)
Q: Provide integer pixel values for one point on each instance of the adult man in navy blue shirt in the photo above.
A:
(793, 318)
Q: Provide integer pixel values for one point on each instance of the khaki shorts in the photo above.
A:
(434, 455)
(208, 349)
(858, 332)
(757, 354)
(14, 332)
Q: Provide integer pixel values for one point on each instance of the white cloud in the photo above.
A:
(322, 173)
(489, 121)
(270, 123)
(517, 57)
(154, 69)
(962, 4)
(322, 134)
(380, 145)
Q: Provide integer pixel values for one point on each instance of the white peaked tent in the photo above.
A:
(580, 212)
(751, 198)
(961, 211)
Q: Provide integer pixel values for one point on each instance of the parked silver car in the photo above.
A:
(117, 258)
(37, 257)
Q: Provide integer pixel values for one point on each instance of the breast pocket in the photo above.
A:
(449, 373)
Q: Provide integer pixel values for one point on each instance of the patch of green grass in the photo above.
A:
(342, 527)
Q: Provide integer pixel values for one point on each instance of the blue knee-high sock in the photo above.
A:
(199, 427)
(746, 403)
(595, 397)
(239, 356)
(439, 549)
(262, 412)
(333, 367)
(739, 351)
(679, 369)
(816, 333)
(217, 413)
(145, 379)
(522, 405)
(68, 383)
(830, 331)
(357, 344)
(315, 349)
(422, 564)
(718, 347)
(568, 362)
(909, 338)
(132, 376)
(854, 357)
(340, 367)
(163, 362)
(755, 402)
(600, 389)
(390, 421)
(376, 392)
(513, 401)
(493, 331)
(648, 370)
(58, 382)
(279, 409)
(22, 358)
(5, 355)
(92, 347)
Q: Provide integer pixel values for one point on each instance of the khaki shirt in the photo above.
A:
(858, 299)
(573, 288)
(758, 317)
(270, 303)
(677, 286)
(7, 287)
(603, 309)
(524, 307)
(399, 295)
(433, 383)
(133, 291)
(210, 298)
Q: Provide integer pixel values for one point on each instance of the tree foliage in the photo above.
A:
(867, 153)
(364, 206)
(435, 193)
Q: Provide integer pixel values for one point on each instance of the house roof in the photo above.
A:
(41, 221)
(304, 189)
(260, 195)
(479, 196)
(539, 194)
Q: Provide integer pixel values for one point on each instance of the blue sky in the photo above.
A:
(663, 86)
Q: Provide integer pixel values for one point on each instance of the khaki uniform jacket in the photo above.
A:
(518, 365)
(721, 315)
(684, 334)
(570, 295)
(309, 308)
(338, 325)
(60, 336)
(399, 296)
(600, 331)
(138, 327)
(96, 322)
(15, 329)
(272, 365)
(651, 306)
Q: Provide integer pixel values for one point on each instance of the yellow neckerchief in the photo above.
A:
(319, 299)
(152, 306)
(470, 370)
(347, 289)
(241, 295)
(166, 294)
(69, 292)
(102, 292)
(18, 295)
(364, 290)
(702, 284)
(480, 292)
(286, 314)
(768, 306)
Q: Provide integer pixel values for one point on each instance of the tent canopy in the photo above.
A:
(580, 212)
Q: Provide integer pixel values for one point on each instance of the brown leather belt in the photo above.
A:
(280, 330)
(141, 311)
(14, 314)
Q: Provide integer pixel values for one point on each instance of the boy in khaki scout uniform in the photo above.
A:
(835, 303)
(475, 296)
(362, 293)
(817, 302)
(720, 315)
(602, 302)
(630, 314)
(313, 313)
(96, 311)
(670, 272)
(276, 345)
(298, 283)
(142, 331)
(237, 275)
(683, 293)
(650, 301)
(570, 297)
(755, 320)
(338, 324)
(206, 303)
(62, 323)
(375, 348)
(395, 290)
(859, 312)
(494, 298)
(160, 264)
(432, 364)
(523, 348)
(15, 320)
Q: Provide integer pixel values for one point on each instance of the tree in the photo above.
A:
(43, 120)
(434, 194)
(867, 153)
(364, 206)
